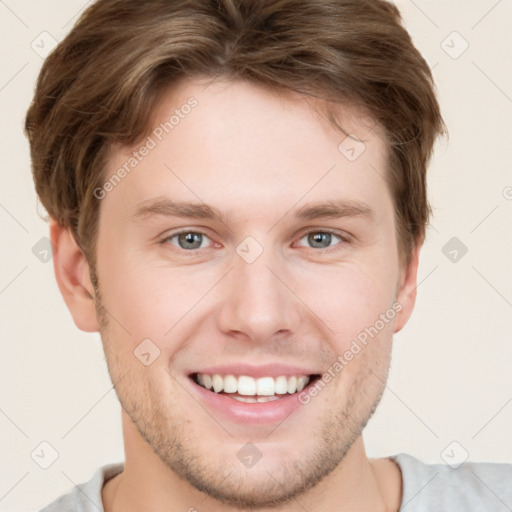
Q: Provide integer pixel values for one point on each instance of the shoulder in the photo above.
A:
(472, 487)
(85, 497)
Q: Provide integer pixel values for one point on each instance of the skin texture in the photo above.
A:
(258, 157)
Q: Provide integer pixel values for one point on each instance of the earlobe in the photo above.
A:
(72, 274)
(406, 295)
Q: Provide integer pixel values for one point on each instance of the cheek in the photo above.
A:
(348, 299)
(152, 300)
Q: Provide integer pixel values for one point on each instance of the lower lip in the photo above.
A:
(258, 413)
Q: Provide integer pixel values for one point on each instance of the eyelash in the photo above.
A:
(345, 239)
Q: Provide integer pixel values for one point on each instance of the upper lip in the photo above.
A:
(266, 370)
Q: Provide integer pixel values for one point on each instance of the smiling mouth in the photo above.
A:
(245, 388)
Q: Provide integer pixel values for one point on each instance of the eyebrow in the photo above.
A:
(332, 209)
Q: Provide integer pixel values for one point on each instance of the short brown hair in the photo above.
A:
(102, 82)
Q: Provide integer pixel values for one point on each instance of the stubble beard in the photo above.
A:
(230, 484)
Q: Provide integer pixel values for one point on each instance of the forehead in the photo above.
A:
(240, 145)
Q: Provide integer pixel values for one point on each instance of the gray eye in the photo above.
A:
(319, 239)
(190, 240)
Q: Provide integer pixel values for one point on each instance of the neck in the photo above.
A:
(358, 483)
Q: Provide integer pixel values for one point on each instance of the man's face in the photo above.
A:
(255, 290)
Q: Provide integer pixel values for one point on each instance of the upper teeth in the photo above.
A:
(245, 385)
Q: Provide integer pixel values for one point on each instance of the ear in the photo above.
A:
(73, 278)
(406, 293)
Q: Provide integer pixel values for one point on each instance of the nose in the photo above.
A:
(257, 301)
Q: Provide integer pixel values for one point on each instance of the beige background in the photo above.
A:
(451, 376)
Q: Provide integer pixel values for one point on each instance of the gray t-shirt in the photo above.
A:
(472, 487)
